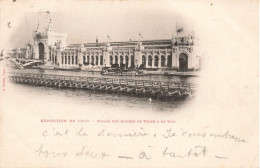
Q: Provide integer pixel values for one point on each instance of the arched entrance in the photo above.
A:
(111, 60)
(183, 62)
(156, 59)
(126, 61)
(121, 61)
(132, 61)
(116, 60)
(162, 61)
(143, 60)
(41, 51)
(97, 60)
(88, 60)
(149, 60)
(101, 60)
(84, 60)
(92, 60)
(169, 61)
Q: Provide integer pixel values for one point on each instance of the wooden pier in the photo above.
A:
(159, 89)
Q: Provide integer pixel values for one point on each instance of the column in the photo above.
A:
(106, 58)
(114, 58)
(129, 60)
(190, 65)
(153, 61)
(146, 61)
(123, 59)
(99, 60)
(71, 57)
(58, 61)
(177, 60)
(27, 52)
(166, 60)
(94, 59)
(159, 61)
(74, 61)
(80, 59)
(138, 58)
(174, 58)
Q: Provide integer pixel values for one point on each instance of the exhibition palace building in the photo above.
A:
(50, 48)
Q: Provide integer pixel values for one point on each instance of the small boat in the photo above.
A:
(115, 70)
(42, 67)
(67, 68)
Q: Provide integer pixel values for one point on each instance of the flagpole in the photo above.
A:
(140, 35)
(177, 29)
(81, 37)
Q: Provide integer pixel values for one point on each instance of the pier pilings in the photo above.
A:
(144, 88)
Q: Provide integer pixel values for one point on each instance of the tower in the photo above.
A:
(44, 41)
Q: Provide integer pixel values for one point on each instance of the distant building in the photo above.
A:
(177, 53)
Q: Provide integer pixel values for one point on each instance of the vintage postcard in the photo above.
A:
(129, 83)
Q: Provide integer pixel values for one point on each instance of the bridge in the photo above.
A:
(23, 63)
(158, 89)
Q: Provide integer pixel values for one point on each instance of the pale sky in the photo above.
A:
(121, 20)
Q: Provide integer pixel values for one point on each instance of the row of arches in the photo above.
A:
(156, 62)
(122, 60)
(93, 60)
(53, 58)
(147, 61)
(69, 60)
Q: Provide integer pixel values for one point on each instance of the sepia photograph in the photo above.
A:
(129, 83)
(119, 56)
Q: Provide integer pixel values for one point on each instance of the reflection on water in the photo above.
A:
(94, 99)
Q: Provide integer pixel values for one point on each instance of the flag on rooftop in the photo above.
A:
(179, 30)
(140, 35)
(108, 37)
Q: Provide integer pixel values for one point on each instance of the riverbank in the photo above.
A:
(173, 73)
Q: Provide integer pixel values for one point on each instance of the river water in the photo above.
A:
(88, 99)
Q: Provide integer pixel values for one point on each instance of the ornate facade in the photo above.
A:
(50, 48)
